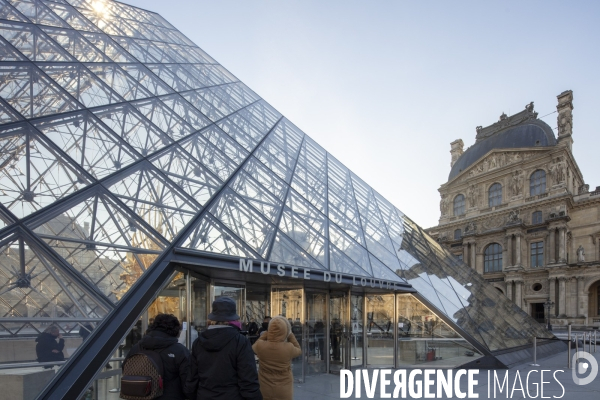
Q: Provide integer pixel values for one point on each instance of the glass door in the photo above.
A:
(199, 309)
(317, 349)
(380, 330)
(356, 330)
(289, 304)
(339, 332)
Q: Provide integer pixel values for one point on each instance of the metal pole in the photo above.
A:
(595, 341)
(576, 349)
(535, 364)
(569, 349)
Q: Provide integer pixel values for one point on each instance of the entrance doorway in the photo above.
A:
(537, 312)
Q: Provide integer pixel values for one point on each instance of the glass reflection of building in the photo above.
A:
(138, 176)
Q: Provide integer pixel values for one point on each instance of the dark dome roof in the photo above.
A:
(533, 133)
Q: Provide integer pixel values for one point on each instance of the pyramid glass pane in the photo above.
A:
(123, 146)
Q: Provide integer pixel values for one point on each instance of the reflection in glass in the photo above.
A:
(288, 303)
(380, 330)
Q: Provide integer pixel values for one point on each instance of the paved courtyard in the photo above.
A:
(328, 386)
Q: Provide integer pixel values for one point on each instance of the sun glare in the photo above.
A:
(100, 8)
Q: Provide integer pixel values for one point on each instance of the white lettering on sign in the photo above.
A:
(246, 265)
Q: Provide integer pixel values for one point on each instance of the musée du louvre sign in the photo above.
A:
(281, 270)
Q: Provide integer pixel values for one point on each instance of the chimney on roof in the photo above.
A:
(456, 150)
(565, 118)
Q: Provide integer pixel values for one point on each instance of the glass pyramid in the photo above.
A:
(121, 141)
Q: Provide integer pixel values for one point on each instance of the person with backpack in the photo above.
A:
(157, 366)
(222, 365)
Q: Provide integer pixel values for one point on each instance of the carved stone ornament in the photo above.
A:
(513, 217)
(473, 196)
(580, 254)
(516, 184)
(498, 160)
(471, 227)
(444, 204)
(565, 114)
(493, 222)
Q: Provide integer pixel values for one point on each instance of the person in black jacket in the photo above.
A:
(47, 348)
(222, 360)
(161, 338)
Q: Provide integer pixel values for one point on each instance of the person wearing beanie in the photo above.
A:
(222, 363)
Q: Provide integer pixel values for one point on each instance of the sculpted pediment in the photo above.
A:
(498, 159)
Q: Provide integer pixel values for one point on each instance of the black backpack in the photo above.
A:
(142, 376)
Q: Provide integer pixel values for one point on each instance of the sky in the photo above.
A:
(385, 86)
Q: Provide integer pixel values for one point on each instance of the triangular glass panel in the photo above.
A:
(155, 199)
(195, 76)
(101, 16)
(34, 174)
(209, 156)
(267, 179)
(164, 118)
(209, 235)
(286, 251)
(395, 227)
(32, 93)
(245, 222)
(9, 53)
(310, 176)
(241, 131)
(81, 84)
(7, 113)
(32, 287)
(348, 246)
(205, 107)
(87, 142)
(251, 191)
(185, 110)
(383, 272)
(108, 47)
(133, 128)
(32, 42)
(283, 143)
(223, 142)
(9, 13)
(304, 236)
(307, 212)
(72, 17)
(261, 115)
(207, 96)
(119, 81)
(340, 262)
(187, 173)
(76, 45)
(165, 54)
(142, 75)
(181, 81)
(145, 55)
(38, 13)
(103, 241)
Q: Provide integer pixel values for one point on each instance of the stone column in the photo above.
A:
(585, 305)
(552, 247)
(562, 296)
(518, 250)
(580, 295)
(552, 295)
(519, 293)
(505, 254)
(562, 233)
(509, 251)
(466, 253)
(571, 297)
(509, 291)
(473, 254)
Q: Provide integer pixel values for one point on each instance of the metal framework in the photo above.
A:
(122, 142)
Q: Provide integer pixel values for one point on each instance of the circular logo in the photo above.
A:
(583, 367)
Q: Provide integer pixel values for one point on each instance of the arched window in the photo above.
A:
(537, 183)
(536, 218)
(457, 234)
(459, 205)
(495, 195)
(492, 259)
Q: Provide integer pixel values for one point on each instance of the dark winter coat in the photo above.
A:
(175, 358)
(46, 342)
(223, 366)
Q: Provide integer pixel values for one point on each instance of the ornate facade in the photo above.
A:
(517, 210)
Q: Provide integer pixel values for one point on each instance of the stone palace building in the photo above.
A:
(516, 209)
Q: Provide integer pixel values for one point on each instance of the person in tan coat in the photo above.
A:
(275, 349)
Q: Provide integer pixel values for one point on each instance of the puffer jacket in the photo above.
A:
(175, 358)
(223, 366)
(275, 350)
(45, 344)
